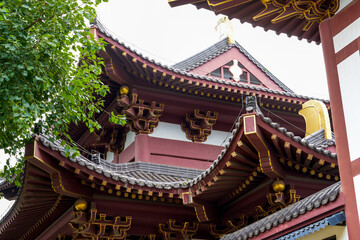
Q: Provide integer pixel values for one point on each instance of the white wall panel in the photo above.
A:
(346, 36)
(349, 79)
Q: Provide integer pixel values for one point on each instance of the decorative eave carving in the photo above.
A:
(142, 117)
(267, 159)
(182, 231)
(112, 138)
(276, 201)
(231, 226)
(198, 125)
(312, 11)
(94, 225)
(202, 213)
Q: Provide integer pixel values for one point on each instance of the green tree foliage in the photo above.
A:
(48, 70)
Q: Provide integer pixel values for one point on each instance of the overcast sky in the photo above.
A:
(170, 35)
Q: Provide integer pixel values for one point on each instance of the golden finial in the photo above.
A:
(124, 90)
(80, 205)
(225, 27)
(278, 186)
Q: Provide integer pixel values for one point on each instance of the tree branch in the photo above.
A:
(33, 23)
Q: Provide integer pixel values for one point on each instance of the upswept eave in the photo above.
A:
(139, 60)
(124, 178)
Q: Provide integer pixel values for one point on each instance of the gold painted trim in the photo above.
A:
(51, 174)
(255, 127)
(204, 211)
(42, 219)
(316, 117)
(260, 138)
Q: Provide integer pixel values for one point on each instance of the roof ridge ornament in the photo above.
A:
(224, 27)
(316, 117)
(251, 104)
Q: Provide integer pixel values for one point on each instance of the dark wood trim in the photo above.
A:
(347, 51)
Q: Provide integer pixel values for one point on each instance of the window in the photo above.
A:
(225, 73)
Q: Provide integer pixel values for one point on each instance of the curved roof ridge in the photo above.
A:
(259, 65)
(203, 56)
(102, 29)
(186, 181)
(217, 49)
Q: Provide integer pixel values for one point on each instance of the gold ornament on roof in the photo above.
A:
(225, 27)
(80, 205)
(316, 117)
(278, 186)
(124, 90)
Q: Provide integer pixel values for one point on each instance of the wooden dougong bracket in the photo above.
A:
(94, 225)
(172, 230)
(142, 117)
(277, 200)
(198, 125)
(231, 226)
(112, 138)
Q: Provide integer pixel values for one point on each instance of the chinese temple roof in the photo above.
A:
(306, 205)
(136, 60)
(152, 175)
(166, 177)
(218, 49)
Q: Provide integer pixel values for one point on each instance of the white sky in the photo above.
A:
(170, 35)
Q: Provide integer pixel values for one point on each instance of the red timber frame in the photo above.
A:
(349, 168)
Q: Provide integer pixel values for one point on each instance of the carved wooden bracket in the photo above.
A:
(198, 125)
(231, 226)
(112, 138)
(180, 231)
(277, 201)
(142, 117)
(98, 226)
(201, 213)
(312, 11)
(267, 158)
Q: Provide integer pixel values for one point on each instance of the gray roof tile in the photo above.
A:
(318, 146)
(218, 49)
(171, 176)
(315, 200)
(318, 139)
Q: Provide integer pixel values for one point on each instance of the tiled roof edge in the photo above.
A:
(302, 141)
(12, 208)
(209, 79)
(317, 226)
(81, 160)
(259, 65)
(316, 200)
(197, 60)
(117, 176)
(225, 47)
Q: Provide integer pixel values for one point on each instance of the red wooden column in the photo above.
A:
(340, 37)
